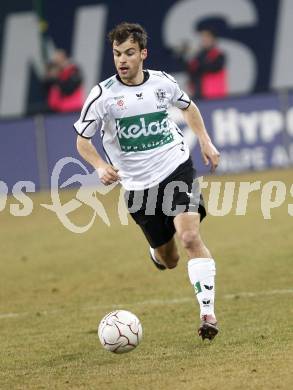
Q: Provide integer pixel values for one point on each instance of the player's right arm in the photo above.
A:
(107, 173)
(86, 126)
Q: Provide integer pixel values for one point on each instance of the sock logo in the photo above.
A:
(208, 287)
(197, 288)
(206, 302)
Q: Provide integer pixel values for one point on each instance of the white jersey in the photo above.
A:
(138, 136)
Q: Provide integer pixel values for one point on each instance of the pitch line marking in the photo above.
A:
(174, 301)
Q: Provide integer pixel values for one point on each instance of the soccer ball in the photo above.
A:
(120, 331)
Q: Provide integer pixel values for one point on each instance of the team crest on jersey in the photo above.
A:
(160, 94)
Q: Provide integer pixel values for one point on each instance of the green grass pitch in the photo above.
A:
(55, 286)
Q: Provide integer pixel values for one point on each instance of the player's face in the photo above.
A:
(128, 59)
(207, 40)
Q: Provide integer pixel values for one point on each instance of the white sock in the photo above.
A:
(202, 273)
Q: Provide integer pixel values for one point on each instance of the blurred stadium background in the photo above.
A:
(253, 127)
(56, 285)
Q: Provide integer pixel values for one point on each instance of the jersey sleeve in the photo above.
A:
(179, 98)
(90, 119)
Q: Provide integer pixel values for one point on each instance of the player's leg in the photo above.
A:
(201, 269)
(166, 254)
(159, 231)
(187, 228)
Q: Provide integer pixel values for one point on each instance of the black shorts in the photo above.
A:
(154, 209)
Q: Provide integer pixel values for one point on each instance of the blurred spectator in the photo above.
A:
(63, 83)
(207, 70)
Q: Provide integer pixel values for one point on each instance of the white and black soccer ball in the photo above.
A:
(120, 331)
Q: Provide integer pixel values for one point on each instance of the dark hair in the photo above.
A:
(125, 30)
(205, 28)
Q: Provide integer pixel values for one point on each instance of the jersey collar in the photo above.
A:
(146, 76)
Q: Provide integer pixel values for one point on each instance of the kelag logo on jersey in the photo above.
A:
(144, 132)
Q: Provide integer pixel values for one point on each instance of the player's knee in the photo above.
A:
(190, 239)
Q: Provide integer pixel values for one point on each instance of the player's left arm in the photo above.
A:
(194, 120)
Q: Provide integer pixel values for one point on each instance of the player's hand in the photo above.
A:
(108, 174)
(210, 154)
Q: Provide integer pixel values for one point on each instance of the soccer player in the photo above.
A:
(146, 153)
